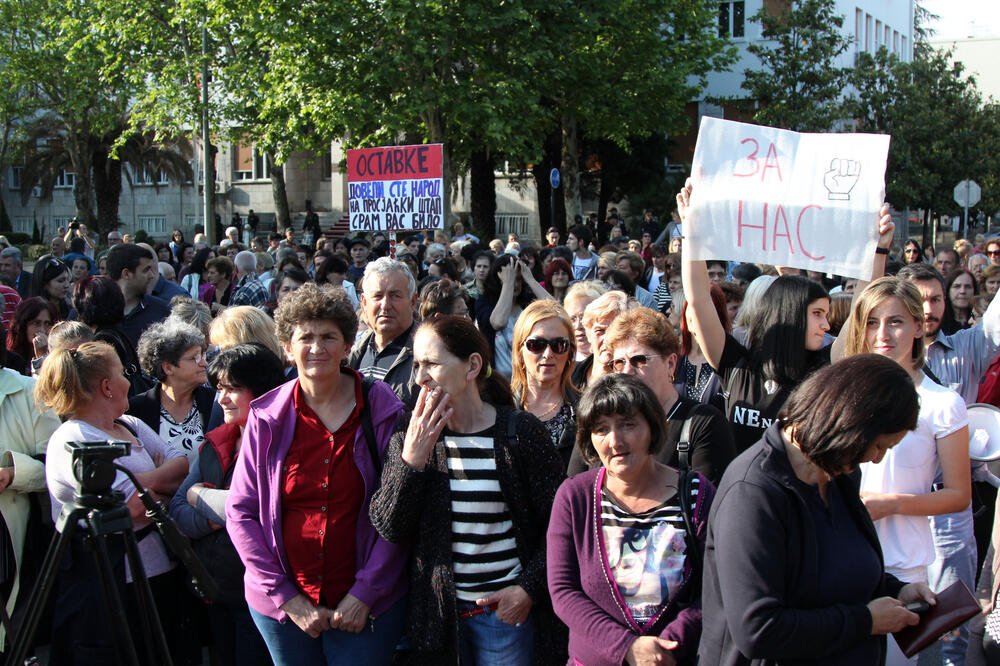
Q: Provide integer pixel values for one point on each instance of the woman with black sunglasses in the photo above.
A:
(542, 364)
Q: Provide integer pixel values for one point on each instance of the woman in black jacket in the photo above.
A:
(471, 483)
(793, 567)
(179, 407)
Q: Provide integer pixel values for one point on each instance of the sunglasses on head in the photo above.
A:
(538, 345)
(638, 361)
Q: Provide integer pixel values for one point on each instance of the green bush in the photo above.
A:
(33, 252)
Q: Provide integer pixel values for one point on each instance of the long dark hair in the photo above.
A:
(198, 261)
(47, 269)
(776, 332)
(462, 339)
(28, 309)
(493, 285)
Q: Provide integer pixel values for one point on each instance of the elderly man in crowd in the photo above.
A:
(249, 290)
(388, 299)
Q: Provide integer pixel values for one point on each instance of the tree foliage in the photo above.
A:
(797, 86)
(941, 131)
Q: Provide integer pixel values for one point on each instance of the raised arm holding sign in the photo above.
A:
(784, 343)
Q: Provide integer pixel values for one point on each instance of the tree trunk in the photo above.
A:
(484, 193)
(435, 130)
(209, 185)
(551, 206)
(5, 224)
(82, 186)
(282, 218)
(107, 192)
(570, 170)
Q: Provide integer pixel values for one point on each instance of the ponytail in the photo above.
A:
(67, 378)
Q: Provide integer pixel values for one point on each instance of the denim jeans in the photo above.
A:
(954, 559)
(374, 646)
(485, 640)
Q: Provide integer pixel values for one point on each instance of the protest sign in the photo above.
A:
(395, 187)
(772, 196)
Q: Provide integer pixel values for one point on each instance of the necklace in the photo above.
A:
(546, 415)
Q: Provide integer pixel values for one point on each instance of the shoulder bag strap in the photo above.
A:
(686, 475)
(367, 428)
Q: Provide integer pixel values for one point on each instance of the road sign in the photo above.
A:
(554, 178)
(968, 193)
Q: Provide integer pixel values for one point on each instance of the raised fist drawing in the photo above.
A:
(841, 178)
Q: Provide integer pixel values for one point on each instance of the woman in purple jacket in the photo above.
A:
(622, 572)
(322, 585)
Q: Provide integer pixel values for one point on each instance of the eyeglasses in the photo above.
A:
(993, 252)
(197, 358)
(638, 361)
(538, 345)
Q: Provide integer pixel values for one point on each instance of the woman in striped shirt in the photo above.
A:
(471, 483)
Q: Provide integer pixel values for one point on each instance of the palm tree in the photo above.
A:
(48, 151)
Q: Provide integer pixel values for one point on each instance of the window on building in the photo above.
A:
(261, 170)
(66, 179)
(242, 161)
(732, 18)
(859, 27)
(886, 40)
(895, 41)
(902, 44)
(22, 225)
(143, 176)
(61, 223)
(878, 34)
(868, 32)
(327, 160)
(152, 224)
(14, 178)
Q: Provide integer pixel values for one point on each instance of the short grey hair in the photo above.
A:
(264, 261)
(190, 311)
(164, 343)
(245, 261)
(12, 253)
(384, 266)
(437, 247)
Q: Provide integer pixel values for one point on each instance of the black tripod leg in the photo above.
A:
(124, 645)
(147, 605)
(47, 579)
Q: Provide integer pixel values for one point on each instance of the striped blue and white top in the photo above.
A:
(484, 553)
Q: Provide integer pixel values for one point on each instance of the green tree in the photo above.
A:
(797, 86)
(627, 71)
(941, 131)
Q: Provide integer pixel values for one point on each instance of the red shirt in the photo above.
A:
(321, 497)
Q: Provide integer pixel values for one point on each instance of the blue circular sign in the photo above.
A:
(554, 179)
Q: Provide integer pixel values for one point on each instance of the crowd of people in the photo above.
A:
(467, 451)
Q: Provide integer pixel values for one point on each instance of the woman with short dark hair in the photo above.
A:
(625, 540)
(793, 566)
(219, 288)
(470, 483)
(239, 374)
(443, 297)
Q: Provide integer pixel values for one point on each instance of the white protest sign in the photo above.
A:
(772, 196)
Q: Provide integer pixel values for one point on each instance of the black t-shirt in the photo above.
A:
(752, 404)
(711, 441)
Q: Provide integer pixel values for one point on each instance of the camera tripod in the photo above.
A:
(99, 516)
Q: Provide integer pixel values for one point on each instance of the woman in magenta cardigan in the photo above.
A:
(622, 573)
(322, 585)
